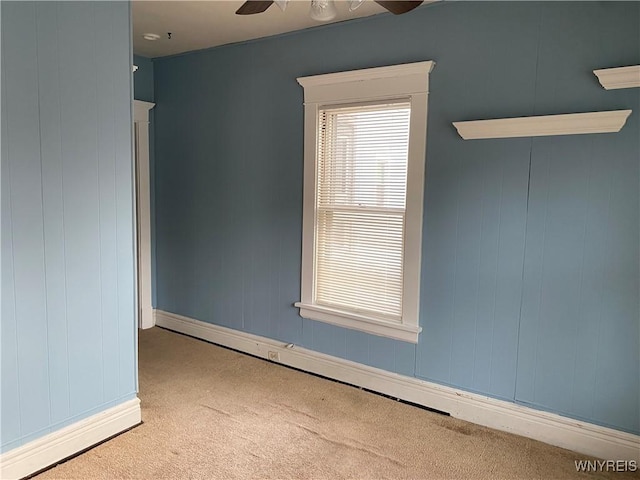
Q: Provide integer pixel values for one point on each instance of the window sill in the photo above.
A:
(354, 321)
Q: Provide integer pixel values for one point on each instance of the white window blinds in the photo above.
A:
(360, 208)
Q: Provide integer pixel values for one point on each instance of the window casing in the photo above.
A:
(365, 143)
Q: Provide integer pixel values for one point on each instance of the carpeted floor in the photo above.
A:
(213, 413)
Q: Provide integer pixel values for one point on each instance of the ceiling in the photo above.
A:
(195, 25)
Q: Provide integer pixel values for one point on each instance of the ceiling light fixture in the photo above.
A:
(151, 36)
(282, 4)
(323, 10)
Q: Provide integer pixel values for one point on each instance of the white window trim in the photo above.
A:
(373, 84)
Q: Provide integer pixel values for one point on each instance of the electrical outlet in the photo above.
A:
(274, 356)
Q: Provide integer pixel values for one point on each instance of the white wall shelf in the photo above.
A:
(567, 124)
(620, 77)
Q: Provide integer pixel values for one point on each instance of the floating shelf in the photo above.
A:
(620, 77)
(567, 124)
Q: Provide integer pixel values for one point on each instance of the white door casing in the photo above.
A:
(143, 202)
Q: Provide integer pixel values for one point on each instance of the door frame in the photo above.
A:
(141, 110)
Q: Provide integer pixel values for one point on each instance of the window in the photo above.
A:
(365, 139)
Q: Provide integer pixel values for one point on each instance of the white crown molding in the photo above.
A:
(567, 124)
(45, 451)
(619, 77)
(582, 437)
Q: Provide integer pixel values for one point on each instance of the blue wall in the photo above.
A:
(530, 261)
(143, 79)
(68, 330)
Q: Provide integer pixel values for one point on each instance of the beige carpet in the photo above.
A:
(213, 413)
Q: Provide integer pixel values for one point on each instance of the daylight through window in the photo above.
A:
(360, 209)
(365, 140)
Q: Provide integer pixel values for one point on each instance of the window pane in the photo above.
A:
(362, 177)
(359, 261)
(363, 156)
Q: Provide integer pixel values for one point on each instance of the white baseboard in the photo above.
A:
(45, 451)
(581, 437)
(147, 317)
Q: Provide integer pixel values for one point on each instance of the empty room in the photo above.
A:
(318, 239)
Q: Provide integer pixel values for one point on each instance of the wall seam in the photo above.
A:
(477, 288)
(117, 236)
(526, 222)
(495, 288)
(99, 190)
(44, 242)
(604, 276)
(64, 230)
(581, 284)
(13, 269)
(452, 323)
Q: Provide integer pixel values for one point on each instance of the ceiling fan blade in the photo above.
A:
(251, 7)
(398, 7)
